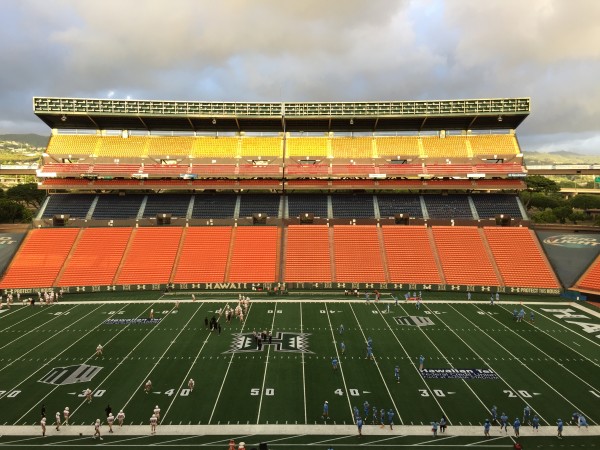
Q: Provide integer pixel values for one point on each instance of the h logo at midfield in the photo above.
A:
(81, 373)
(414, 321)
(280, 342)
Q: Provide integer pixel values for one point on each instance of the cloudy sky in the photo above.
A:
(310, 50)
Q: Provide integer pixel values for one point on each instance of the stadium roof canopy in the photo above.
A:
(190, 116)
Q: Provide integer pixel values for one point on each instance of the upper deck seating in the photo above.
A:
(490, 205)
(307, 203)
(448, 206)
(174, 204)
(214, 206)
(114, 206)
(260, 203)
(391, 204)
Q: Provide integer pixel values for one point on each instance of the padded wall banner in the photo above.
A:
(9, 243)
(570, 253)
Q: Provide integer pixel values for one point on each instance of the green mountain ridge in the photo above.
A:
(34, 140)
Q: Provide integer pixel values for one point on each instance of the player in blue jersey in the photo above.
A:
(391, 418)
(325, 410)
(517, 426)
(582, 422)
(382, 418)
(370, 341)
(491, 300)
(468, 296)
(575, 418)
(375, 417)
(515, 314)
(535, 423)
(356, 412)
(369, 352)
(434, 428)
(521, 315)
(532, 317)
(527, 415)
(559, 424)
(421, 362)
(397, 374)
(359, 424)
(341, 329)
(334, 364)
(366, 407)
(486, 428)
(504, 422)
(494, 413)
(342, 348)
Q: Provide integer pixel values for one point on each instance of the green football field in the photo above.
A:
(475, 356)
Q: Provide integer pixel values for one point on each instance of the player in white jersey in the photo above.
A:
(191, 384)
(121, 418)
(97, 430)
(153, 422)
(110, 420)
(57, 421)
(88, 395)
(99, 350)
(148, 386)
(66, 413)
(157, 412)
(152, 314)
(43, 424)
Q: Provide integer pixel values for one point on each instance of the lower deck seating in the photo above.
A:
(114, 206)
(76, 205)
(259, 203)
(96, 257)
(463, 256)
(40, 258)
(519, 258)
(409, 255)
(448, 206)
(204, 255)
(490, 205)
(151, 256)
(307, 255)
(352, 205)
(357, 254)
(254, 257)
(591, 279)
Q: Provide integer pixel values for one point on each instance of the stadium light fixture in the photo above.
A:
(214, 121)
(351, 121)
(63, 118)
(499, 118)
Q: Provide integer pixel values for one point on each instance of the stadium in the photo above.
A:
(397, 223)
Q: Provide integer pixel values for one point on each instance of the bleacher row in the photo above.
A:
(460, 147)
(233, 206)
(488, 256)
(590, 280)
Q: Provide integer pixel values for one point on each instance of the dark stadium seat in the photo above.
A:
(307, 203)
(114, 206)
(448, 206)
(76, 205)
(490, 205)
(175, 204)
(214, 206)
(391, 204)
(352, 206)
(259, 203)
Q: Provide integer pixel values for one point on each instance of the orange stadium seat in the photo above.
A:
(519, 258)
(307, 255)
(463, 256)
(591, 278)
(150, 256)
(96, 257)
(409, 255)
(204, 255)
(357, 254)
(254, 257)
(40, 258)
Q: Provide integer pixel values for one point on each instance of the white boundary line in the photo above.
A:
(525, 365)
(414, 365)
(264, 381)
(303, 367)
(216, 402)
(158, 359)
(396, 410)
(340, 365)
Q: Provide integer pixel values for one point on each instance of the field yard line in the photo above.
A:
(431, 394)
(262, 390)
(379, 370)
(158, 361)
(30, 331)
(340, 365)
(479, 356)
(490, 440)
(225, 441)
(185, 378)
(45, 364)
(75, 342)
(448, 361)
(441, 438)
(212, 413)
(303, 368)
(567, 328)
(42, 309)
(525, 365)
(30, 350)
